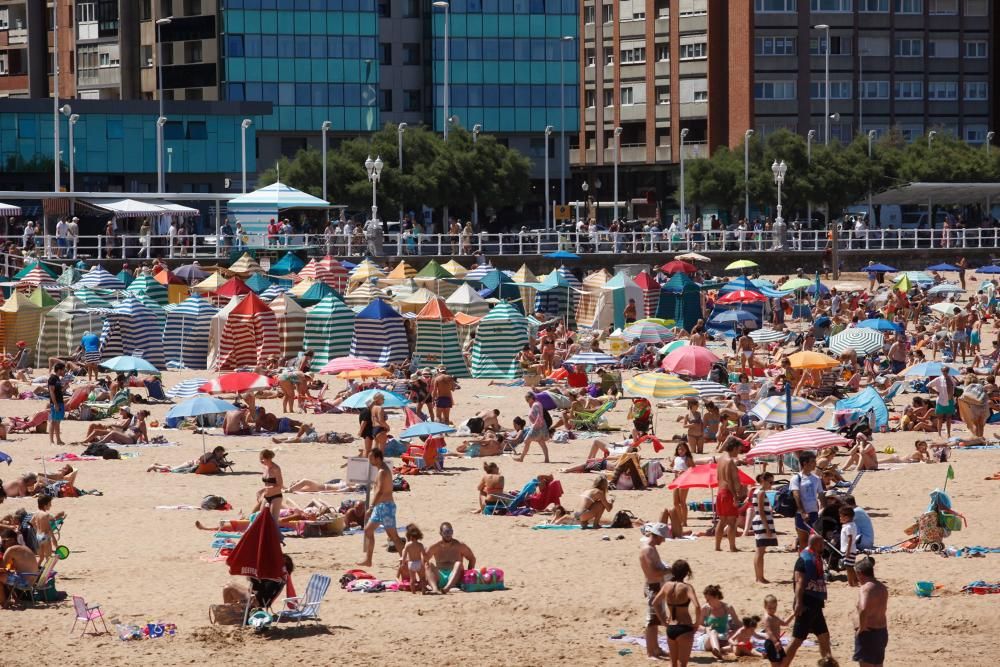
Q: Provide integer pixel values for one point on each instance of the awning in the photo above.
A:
(126, 208)
(9, 209)
(275, 196)
(177, 209)
(939, 193)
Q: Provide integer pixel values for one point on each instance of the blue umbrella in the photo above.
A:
(360, 399)
(879, 267)
(989, 268)
(928, 369)
(426, 428)
(5, 458)
(738, 317)
(200, 405)
(878, 325)
(562, 254)
(129, 364)
(943, 267)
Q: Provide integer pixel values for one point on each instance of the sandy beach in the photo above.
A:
(568, 591)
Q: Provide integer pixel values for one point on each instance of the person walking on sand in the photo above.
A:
(57, 404)
(538, 430)
(871, 631)
(383, 509)
(731, 494)
(654, 570)
(810, 597)
(442, 387)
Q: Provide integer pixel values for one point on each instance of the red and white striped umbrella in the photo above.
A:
(797, 439)
(341, 364)
(233, 383)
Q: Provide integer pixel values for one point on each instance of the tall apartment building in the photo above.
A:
(26, 45)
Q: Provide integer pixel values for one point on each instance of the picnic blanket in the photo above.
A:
(699, 642)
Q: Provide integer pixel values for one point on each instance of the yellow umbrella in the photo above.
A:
(741, 264)
(364, 373)
(659, 385)
(812, 360)
(657, 320)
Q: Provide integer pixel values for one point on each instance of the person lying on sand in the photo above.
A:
(134, 433)
(20, 487)
(333, 486)
(308, 433)
(216, 458)
(593, 463)
(235, 422)
(315, 510)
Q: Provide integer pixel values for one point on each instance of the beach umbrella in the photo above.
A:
(200, 405)
(99, 278)
(647, 332)
(673, 345)
(290, 263)
(663, 322)
(129, 364)
(797, 439)
(678, 266)
(989, 269)
(705, 476)
(187, 388)
(258, 553)
(709, 389)
(812, 361)
(943, 267)
(234, 383)
(741, 296)
(692, 360)
(945, 289)
(364, 373)
(562, 255)
(360, 399)
(781, 410)
(741, 318)
(592, 359)
(426, 429)
(929, 369)
(692, 257)
(946, 308)
(766, 336)
(862, 341)
(796, 283)
(741, 264)
(341, 364)
(191, 273)
(879, 325)
(659, 385)
(884, 268)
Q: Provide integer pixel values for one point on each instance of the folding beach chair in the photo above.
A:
(18, 582)
(21, 425)
(506, 503)
(103, 410)
(589, 421)
(88, 615)
(306, 607)
(154, 388)
(894, 389)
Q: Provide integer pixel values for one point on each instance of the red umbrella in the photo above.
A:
(677, 266)
(741, 296)
(691, 360)
(705, 476)
(797, 439)
(258, 553)
(341, 364)
(234, 383)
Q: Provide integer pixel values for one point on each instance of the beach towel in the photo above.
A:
(699, 642)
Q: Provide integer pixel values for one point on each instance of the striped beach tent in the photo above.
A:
(147, 284)
(525, 280)
(316, 293)
(498, 285)
(556, 297)
(402, 289)
(364, 272)
(437, 279)
(70, 274)
(258, 282)
(186, 332)
(216, 328)
(232, 287)
(455, 269)
(499, 339)
(291, 319)
(20, 319)
(64, 326)
(590, 310)
(621, 289)
(211, 284)
(415, 302)
(437, 339)
(329, 331)
(301, 287)
(37, 277)
(42, 298)
(399, 273)
(476, 273)
(650, 295)
(177, 287)
(379, 334)
(134, 328)
(364, 294)
(273, 292)
(99, 278)
(249, 336)
(28, 268)
(290, 263)
(90, 298)
(125, 276)
(467, 300)
(335, 274)
(245, 266)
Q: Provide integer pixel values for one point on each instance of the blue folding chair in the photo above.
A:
(306, 607)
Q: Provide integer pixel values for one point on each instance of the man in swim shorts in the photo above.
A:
(731, 493)
(872, 633)
(654, 570)
(445, 561)
(442, 387)
(383, 511)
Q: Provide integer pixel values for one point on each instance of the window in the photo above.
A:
(197, 130)
(591, 98)
(588, 14)
(411, 100)
(173, 130)
(104, 59)
(411, 54)
(192, 52)
(662, 52)
(633, 54)
(86, 12)
(976, 49)
(701, 96)
(839, 90)
(977, 8)
(384, 9)
(911, 47)
(874, 46)
(384, 100)
(975, 134)
(626, 96)
(146, 10)
(946, 7)
(27, 128)
(774, 46)
(192, 7)
(976, 90)
(942, 90)
(385, 53)
(831, 5)
(609, 55)
(589, 55)
(693, 91)
(609, 98)
(608, 12)
(909, 6)
(411, 9)
(146, 55)
(874, 90)
(775, 6)
(694, 51)
(873, 6)
(911, 132)
(942, 48)
(839, 46)
(194, 94)
(663, 94)
(774, 90)
(908, 90)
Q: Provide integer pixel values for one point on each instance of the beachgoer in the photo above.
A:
(944, 387)
(695, 426)
(870, 623)
(679, 597)
(442, 387)
(270, 494)
(57, 404)
(214, 459)
(763, 524)
(848, 543)
(235, 422)
(654, 570)
(538, 430)
(447, 560)
(380, 424)
(774, 651)
(806, 488)
(810, 597)
(683, 460)
(18, 561)
(490, 485)
(718, 617)
(731, 494)
(412, 560)
(45, 537)
(594, 503)
(383, 508)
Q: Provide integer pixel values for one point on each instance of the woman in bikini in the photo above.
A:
(490, 485)
(595, 504)
(273, 484)
(380, 426)
(678, 597)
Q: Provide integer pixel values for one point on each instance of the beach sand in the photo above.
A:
(567, 590)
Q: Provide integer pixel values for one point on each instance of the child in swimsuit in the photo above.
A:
(695, 425)
(773, 649)
(411, 561)
(742, 638)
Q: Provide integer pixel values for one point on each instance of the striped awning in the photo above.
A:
(797, 439)
(9, 209)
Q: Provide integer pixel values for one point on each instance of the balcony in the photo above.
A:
(98, 78)
(663, 154)
(632, 112)
(630, 154)
(17, 36)
(693, 151)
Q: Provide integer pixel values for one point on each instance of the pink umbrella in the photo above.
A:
(796, 439)
(234, 383)
(705, 476)
(341, 364)
(690, 360)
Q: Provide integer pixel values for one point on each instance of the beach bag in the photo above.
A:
(101, 450)
(784, 502)
(623, 519)
(399, 483)
(213, 503)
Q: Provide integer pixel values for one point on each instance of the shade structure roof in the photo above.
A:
(944, 193)
(135, 208)
(276, 196)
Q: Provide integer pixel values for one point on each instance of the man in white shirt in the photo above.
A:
(171, 237)
(944, 408)
(28, 236)
(62, 230)
(72, 235)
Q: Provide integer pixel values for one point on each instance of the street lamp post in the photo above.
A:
(548, 134)
(810, 137)
(55, 97)
(446, 7)
(374, 169)
(871, 211)
(476, 129)
(243, 153)
(160, 122)
(684, 133)
(826, 113)
(399, 147)
(989, 140)
(562, 119)
(746, 174)
(68, 112)
(324, 128)
(159, 94)
(618, 134)
(779, 169)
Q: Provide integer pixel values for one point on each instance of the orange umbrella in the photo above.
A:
(812, 361)
(364, 373)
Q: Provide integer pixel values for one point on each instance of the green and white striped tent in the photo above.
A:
(437, 339)
(147, 286)
(499, 338)
(329, 331)
(64, 326)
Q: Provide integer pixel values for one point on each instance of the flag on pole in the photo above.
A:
(951, 473)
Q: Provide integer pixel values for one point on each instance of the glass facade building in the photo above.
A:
(509, 68)
(313, 60)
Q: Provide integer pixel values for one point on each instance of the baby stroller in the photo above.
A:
(828, 527)
(936, 523)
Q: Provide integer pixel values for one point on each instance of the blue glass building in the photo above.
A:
(313, 60)
(510, 69)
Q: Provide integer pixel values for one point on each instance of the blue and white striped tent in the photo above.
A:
(187, 388)
(99, 278)
(273, 292)
(185, 335)
(499, 338)
(557, 296)
(329, 330)
(379, 334)
(134, 328)
(254, 209)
